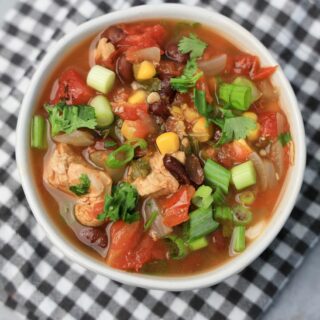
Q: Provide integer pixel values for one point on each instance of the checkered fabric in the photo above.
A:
(40, 283)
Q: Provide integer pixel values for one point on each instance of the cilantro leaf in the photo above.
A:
(236, 128)
(121, 205)
(188, 79)
(83, 187)
(192, 45)
(68, 118)
(284, 138)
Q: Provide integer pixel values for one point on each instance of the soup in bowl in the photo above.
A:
(161, 148)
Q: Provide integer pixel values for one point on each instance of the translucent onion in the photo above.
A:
(213, 66)
(260, 168)
(277, 154)
(281, 121)
(150, 54)
(157, 229)
(77, 138)
(270, 172)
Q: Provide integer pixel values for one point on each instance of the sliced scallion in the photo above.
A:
(38, 132)
(198, 243)
(223, 214)
(246, 197)
(201, 223)
(178, 249)
(120, 157)
(217, 175)
(243, 175)
(203, 197)
(218, 197)
(241, 215)
(239, 238)
(101, 79)
(103, 111)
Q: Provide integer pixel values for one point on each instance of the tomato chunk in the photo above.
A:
(248, 65)
(175, 208)
(268, 123)
(131, 248)
(72, 88)
(233, 153)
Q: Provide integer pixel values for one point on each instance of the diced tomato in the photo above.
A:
(202, 85)
(168, 68)
(140, 128)
(127, 111)
(175, 207)
(268, 123)
(131, 248)
(233, 153)
(264, 73)
(141, 36)
(72, 88)
(248, 65)
(219, 241)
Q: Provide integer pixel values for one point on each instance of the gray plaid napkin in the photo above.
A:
(39, 282)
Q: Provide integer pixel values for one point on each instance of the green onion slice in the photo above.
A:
(241, 215)
(201, 223)
(135, 143)
(246, 198)
(38, 132)
(198, 243)
(203, 197)
(239, 239)
(178, 249)
(120, 157)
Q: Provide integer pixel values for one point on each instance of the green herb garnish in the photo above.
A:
(192, 45)
(109, 144)
(83, 187)
(284, 138)
(68, 118)
(121, 205)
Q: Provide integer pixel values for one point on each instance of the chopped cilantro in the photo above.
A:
(109, 144)
(121, 205)
(189, 77)
(284, 138)
(68, 118)
(236, 128)
(83, 187)
(192, 45)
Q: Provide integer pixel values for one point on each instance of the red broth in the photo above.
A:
(263, 207)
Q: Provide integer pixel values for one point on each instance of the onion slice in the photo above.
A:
(277, 154)
(157, 229)
(77, 138)
(213, 66)
(260, 168)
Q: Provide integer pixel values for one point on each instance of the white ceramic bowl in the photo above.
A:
(237, 35)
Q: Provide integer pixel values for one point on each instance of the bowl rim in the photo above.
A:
(169, 283)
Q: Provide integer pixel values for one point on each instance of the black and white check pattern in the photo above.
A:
(39, 282)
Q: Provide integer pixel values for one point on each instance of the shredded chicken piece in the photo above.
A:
(159, 182)
(103, 50)
(175, 125)
(64, 168)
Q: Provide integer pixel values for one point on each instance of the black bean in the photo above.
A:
(176, 168)
(159, 108)
(173, 53)
(113, 34)
(166, 91)
(194, 169)
(124, 69)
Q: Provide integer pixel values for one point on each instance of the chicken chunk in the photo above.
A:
(104, 50)
(64, 168)
(159, 182)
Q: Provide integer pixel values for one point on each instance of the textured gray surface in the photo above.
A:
(298, 301)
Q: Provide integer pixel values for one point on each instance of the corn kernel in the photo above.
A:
(144, 70)
(202, 130)
(254, 134)
(190, 114)
(138, 97)
(168, 142)
(153, 97)
(176, 112)
(128, 131)
(250, 115)
(243, 144)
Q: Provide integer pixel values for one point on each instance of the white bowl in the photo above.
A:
(238, 36)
